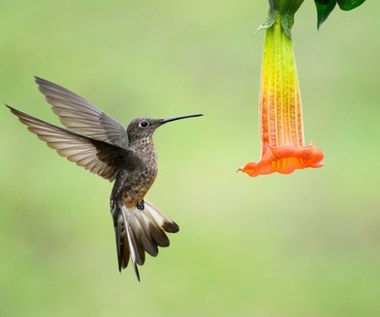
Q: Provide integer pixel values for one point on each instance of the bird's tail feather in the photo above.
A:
(139, 231)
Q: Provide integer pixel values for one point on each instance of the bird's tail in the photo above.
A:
(138, 231)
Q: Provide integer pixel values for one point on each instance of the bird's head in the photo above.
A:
(141, 128)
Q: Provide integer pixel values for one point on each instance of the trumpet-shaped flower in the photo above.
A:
(282, 138)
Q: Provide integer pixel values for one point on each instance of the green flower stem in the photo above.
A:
(285, 11)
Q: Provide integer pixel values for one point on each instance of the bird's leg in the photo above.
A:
(140, 205)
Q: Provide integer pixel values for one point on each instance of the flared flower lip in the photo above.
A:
(284, 160)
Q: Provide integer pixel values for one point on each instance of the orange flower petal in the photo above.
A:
(285, 160)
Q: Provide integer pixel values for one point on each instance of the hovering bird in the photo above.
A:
(100, 144)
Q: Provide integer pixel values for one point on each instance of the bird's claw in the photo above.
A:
(140, 205)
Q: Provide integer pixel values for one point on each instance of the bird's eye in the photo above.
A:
(144, 124)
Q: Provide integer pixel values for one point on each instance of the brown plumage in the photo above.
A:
(100, 144)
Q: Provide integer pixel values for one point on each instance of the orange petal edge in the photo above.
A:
(284, 160)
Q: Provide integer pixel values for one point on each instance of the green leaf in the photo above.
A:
(324, 8)
(347, 5)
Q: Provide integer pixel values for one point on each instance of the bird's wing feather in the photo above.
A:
(79, 115)
(96, 156)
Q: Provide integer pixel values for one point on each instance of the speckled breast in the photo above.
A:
(141, 179)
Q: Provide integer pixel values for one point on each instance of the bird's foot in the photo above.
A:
(140, 205)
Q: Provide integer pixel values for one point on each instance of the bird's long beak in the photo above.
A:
(163, 121)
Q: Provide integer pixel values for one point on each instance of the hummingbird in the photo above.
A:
(126, 156)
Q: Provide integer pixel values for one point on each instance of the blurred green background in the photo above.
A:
(302, 245)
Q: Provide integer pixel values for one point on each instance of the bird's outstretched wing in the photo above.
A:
(79, 115)
(97, 156)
